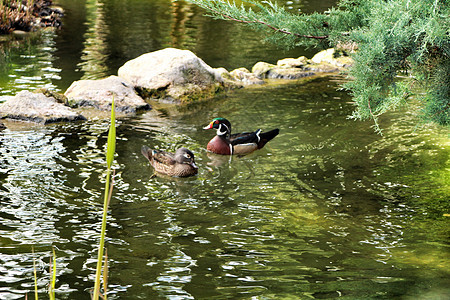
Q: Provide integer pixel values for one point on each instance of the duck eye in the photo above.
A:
(187, 155)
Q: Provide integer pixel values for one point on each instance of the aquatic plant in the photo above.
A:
(35, 276)
(110, 150)
(51, 288)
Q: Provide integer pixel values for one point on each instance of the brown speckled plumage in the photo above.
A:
(180, 164)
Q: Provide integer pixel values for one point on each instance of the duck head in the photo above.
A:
(222, 125)
(185, 156)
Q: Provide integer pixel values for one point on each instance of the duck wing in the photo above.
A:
(163, 157)
(258, 138)
(158, 156)
(245, 138)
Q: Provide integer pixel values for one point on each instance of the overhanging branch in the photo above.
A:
(256, 21)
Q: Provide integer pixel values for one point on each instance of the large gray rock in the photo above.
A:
(99, 94)
(172, 74)
(36, 107)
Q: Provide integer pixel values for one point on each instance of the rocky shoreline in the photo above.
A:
(23, 16)
(169, 75)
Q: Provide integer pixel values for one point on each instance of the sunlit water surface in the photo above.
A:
(327, 209)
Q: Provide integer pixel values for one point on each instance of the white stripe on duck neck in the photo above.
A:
(219, 132)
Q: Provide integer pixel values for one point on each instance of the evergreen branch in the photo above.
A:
(268, 17)
(392, 37)
(257, 21)
(374, 118)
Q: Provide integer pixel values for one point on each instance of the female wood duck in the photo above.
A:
(180, 164)
(239, 143)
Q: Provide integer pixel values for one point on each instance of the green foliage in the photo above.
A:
(393, 37)
(400, 36)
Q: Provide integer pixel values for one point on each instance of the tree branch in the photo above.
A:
(256, 21)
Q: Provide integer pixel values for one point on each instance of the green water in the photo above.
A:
(328, 209)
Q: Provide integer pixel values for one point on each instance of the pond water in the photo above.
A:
(328, 209)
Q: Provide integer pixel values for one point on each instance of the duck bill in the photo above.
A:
(209, 126)
(194, 165)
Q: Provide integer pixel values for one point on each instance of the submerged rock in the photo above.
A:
(99, 94)
(36, 107)
(172, 74)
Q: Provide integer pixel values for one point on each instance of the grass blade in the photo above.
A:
(35, 276)
(111, 148)
(51, 290)
(109, 159)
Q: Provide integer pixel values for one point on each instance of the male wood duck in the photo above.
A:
(180, 164)
(238, 143)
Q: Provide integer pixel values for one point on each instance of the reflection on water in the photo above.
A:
(327, 209)
(100, 36)
(27, 63)
(95, 54)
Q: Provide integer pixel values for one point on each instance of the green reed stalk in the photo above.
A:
(35, 276)
(109, 159)
(105, 270)
(51, 290)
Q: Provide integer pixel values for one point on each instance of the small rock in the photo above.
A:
(36, 107)
(260, 69)
(245, 77)
(49, 93)
(228, 80)
(220, 73)
(292, 62)
(288, 73)
(99, 94)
